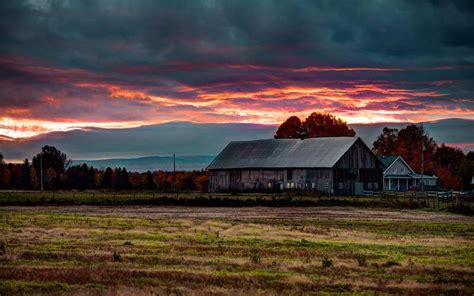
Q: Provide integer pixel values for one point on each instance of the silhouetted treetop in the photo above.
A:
(316, 125)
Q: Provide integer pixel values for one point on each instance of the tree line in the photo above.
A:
(59, 174)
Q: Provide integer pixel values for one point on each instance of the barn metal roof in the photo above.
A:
(283, 153)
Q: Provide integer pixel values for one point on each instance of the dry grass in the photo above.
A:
(69, 250)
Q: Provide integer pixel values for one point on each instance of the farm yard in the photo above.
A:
(88, 249)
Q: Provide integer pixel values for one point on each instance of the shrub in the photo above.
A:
(326, 262)
(361, 259)
(116, 257)
(255, 257)
(128, 243)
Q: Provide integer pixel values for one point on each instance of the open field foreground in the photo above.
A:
(256, 250)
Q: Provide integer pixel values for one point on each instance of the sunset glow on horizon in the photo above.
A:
(144, 63)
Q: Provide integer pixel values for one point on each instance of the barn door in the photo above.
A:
(358, 188)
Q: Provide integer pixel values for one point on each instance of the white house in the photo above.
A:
(399, 176)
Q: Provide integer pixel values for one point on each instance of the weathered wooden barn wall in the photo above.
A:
(219, 180)
(319, 180)
(358, 169)
(262, 179)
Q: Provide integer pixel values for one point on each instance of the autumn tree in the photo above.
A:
(454, 169)
(135, 180)
(449, 157)
(386, 142)
(107, 178)
(448, 180)
(411, 141)
(54, 164)
(26, 175)
(150, 181)
(122, 179)
(315, 125)
(202, 182)
(291, 128)
(34, 179)
(326, 125)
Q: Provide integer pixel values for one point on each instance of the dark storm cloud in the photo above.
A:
(153, 61)
(94, 34)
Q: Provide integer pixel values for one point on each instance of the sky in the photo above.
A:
(120, 63)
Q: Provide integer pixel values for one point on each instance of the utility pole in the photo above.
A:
(41, 170)
(422, 165)
(174, 174)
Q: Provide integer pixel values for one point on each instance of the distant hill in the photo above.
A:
(152, 163)
(196, 139)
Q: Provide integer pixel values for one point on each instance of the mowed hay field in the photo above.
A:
(253, 250)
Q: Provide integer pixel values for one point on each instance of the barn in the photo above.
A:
(331, 165)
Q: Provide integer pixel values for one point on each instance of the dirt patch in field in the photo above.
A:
(250, 213)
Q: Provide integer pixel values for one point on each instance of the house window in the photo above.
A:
(402, 170)
(376, 186)
(369, 185)
(289, 174)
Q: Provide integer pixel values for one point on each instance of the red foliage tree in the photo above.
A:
(316, 125)
(291, 128)
(409, 146)
(326, 125)
(448, 179)
(452, 167)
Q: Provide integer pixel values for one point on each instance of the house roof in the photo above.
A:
(283, 153)
(388, 160)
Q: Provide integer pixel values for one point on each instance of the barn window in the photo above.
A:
(376, 186)
(369, 185)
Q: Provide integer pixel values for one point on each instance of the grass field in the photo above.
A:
(253, 250)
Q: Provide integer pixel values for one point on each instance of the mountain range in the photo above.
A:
(194, 143)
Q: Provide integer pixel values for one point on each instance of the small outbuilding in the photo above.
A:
(331, 165)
